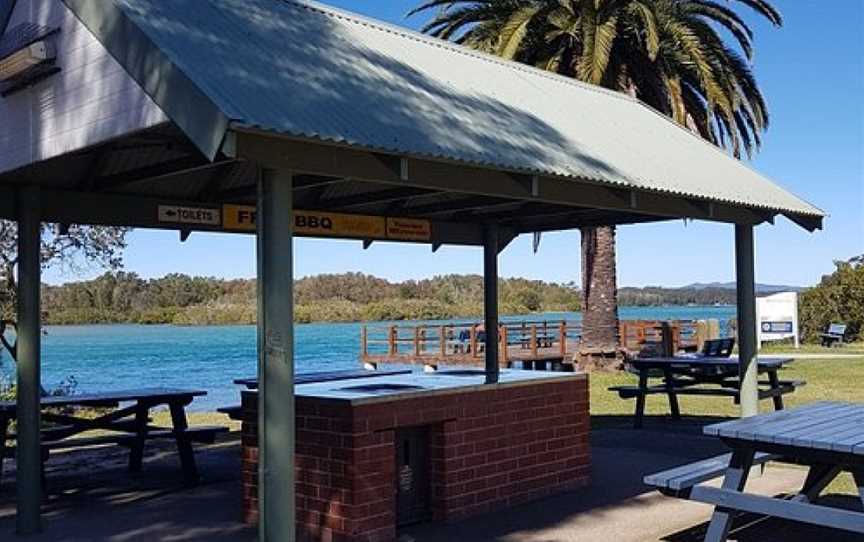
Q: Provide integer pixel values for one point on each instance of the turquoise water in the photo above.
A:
(116, 357)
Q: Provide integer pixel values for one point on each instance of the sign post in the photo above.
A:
(777, 316)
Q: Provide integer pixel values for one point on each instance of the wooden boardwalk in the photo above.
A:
(532, 343)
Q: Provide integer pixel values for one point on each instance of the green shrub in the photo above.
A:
(839, 297)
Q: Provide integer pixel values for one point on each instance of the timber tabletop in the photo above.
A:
(828, 426)
(158, 395)
(704, 361)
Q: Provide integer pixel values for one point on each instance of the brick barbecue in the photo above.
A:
(425, 447)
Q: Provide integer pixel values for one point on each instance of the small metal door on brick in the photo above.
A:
(412, 475)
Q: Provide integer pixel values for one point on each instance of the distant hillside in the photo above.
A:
(760, 288)
(651, 296)
(181, 299)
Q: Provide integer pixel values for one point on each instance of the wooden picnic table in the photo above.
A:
(127, 425)
(701, 375)
(827, 437)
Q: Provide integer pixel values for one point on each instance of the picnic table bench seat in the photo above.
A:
(629, 392)
(199, 434)
(826, 437)
(678, 481)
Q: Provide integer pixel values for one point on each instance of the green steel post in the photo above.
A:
(490, 301)
(275, 358)
(28, 455)
(744, 270)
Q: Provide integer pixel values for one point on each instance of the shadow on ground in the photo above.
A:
(753, 528)
(91, 497)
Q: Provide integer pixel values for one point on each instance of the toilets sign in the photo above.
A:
(204, 216)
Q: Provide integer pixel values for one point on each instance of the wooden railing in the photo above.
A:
(519, 340)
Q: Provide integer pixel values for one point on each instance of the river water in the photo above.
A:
(119, 357)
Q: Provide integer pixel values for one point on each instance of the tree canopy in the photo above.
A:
(838, 298)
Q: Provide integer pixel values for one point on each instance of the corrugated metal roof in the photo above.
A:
(314, 72)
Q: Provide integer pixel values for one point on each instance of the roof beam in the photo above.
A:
(328, 159)
(162, 169)
(456, 206)
(373, 197)
(107, 209)
(210, 191)
(301, 183)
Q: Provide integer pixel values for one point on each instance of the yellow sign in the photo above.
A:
(409, 229)
(238, 217)
(311, 223)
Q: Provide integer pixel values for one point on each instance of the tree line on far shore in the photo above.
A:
(122, 297)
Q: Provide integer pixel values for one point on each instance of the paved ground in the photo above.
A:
(92, 498)
(799, 355)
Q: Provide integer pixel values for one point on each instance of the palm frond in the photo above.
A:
(513, 32)
(764, 8)
(651, 33)
(726, 18)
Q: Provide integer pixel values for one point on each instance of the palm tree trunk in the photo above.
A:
(600, 342)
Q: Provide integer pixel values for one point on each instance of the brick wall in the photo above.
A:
(490, 448)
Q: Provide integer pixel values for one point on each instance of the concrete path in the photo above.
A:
(92, 498)
(799, 355)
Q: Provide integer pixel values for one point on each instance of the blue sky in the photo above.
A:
(812, 72)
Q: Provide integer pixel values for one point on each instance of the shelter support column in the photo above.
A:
(27, 452)
(274, 220)
(490, 300)
(746, 289)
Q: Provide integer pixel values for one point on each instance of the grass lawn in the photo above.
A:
(827, 379)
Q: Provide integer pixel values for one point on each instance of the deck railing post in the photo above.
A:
(746, 293)
(442, 341)
(27, 451)
(417, 341)
(534, 341)
(504, 351)
(562, 333)
(392, 347)
(364, 342)
(275, 357)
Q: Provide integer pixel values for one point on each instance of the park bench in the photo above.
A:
(700, 376)
(128, 426)
(827, 437)
(834, 336)
(678, 482)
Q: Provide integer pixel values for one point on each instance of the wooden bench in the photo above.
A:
(679, 481)
(205, 434)
(783, 387)
(235, 412)
(834, 336)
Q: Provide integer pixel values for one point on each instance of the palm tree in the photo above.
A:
(667, 53)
